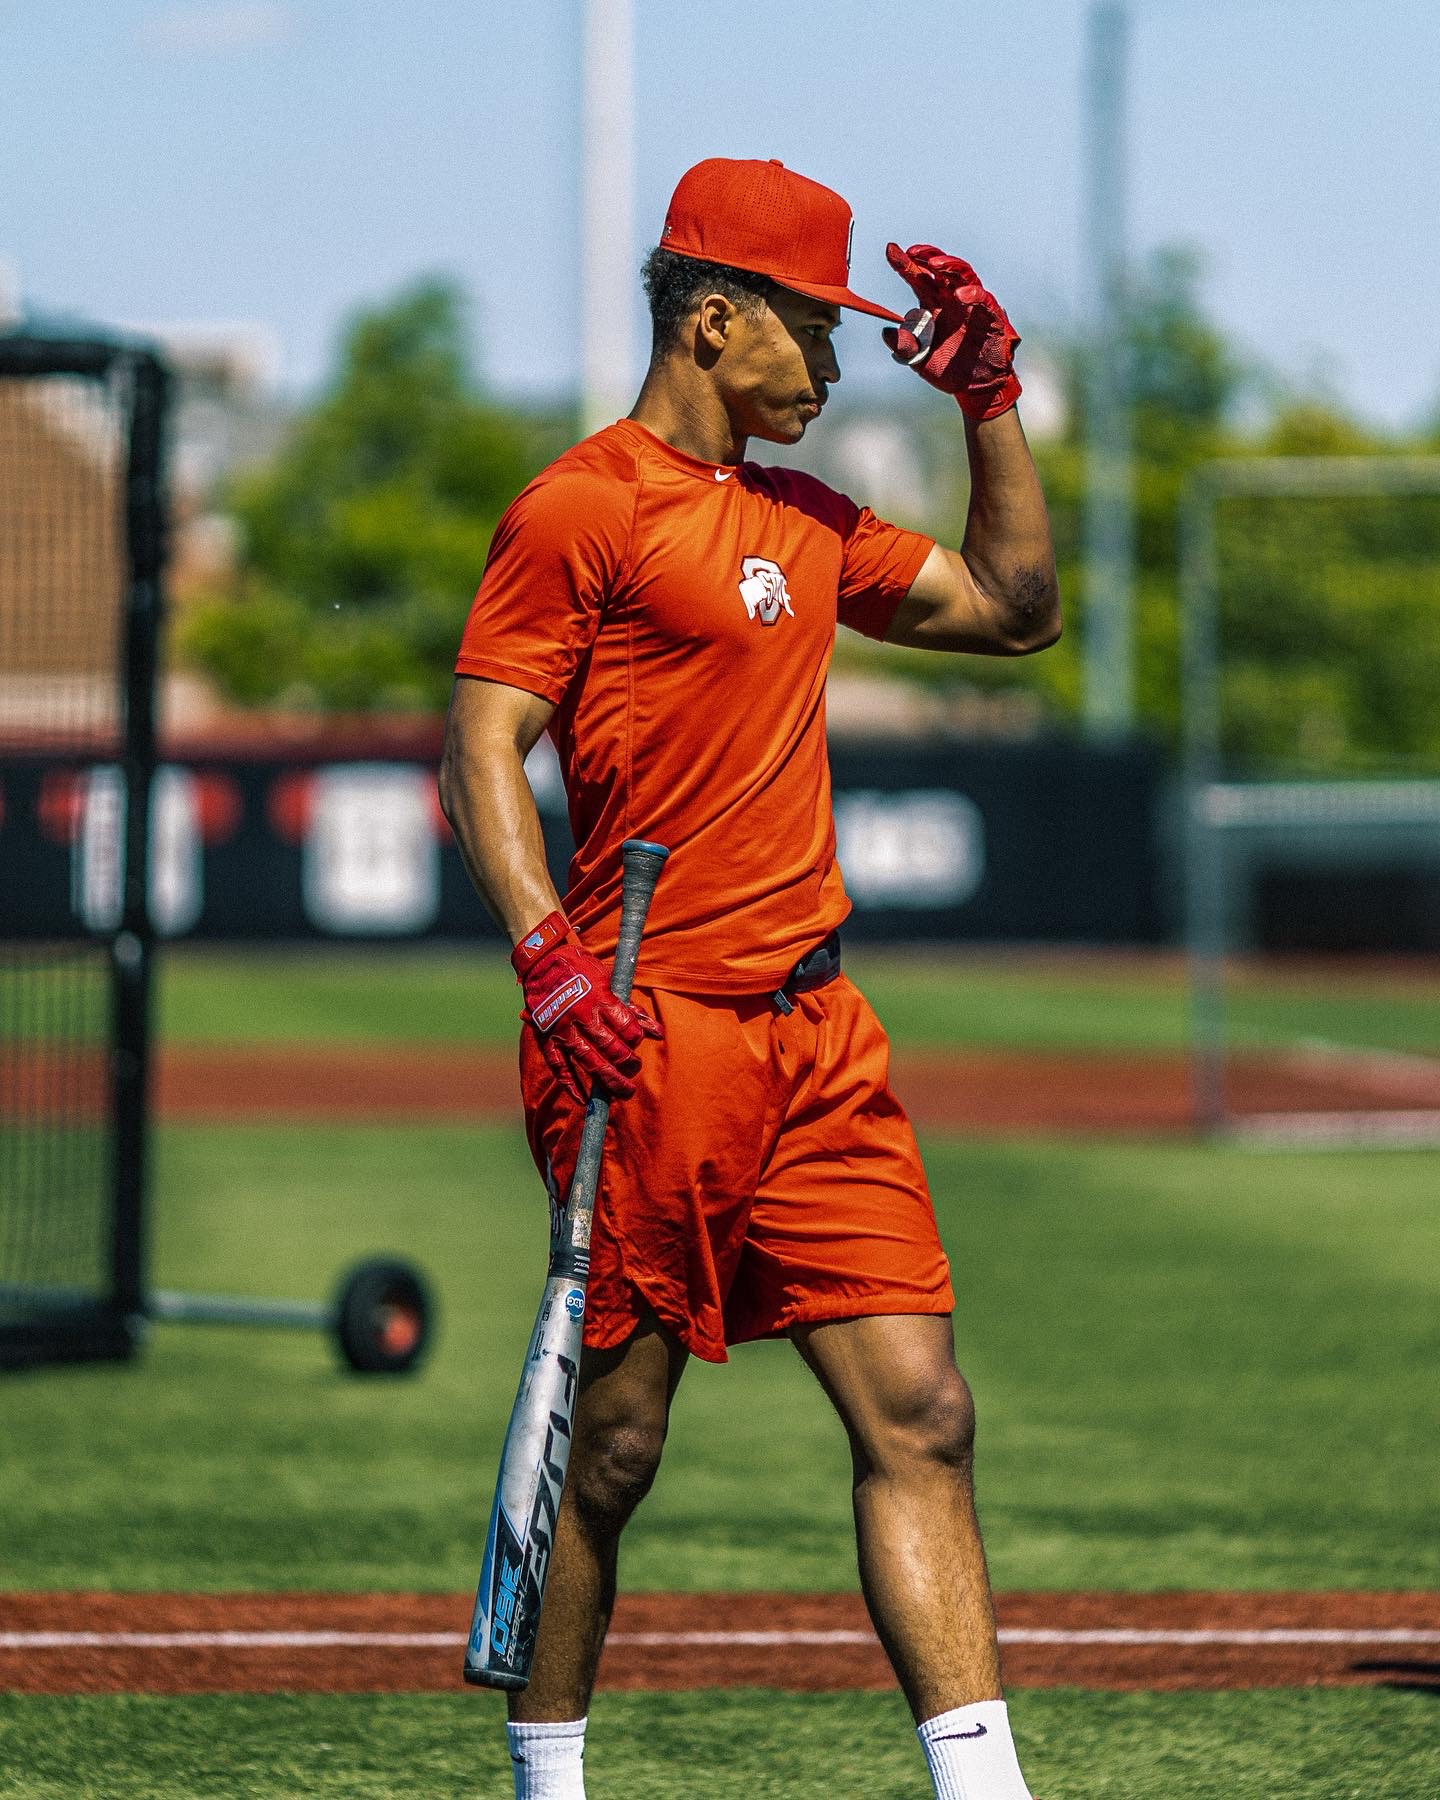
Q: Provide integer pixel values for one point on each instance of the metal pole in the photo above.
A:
(608, 265)
(132, 949)
(1108, 646)
(1205, 910)
(238, 1309)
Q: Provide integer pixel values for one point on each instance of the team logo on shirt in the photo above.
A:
(763, 589)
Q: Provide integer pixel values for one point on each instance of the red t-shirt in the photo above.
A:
(681, 616)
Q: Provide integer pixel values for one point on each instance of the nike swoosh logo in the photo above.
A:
(723, 474)
(978, 1732)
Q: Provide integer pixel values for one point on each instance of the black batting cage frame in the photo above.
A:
(108, 1324)
(97, 1305)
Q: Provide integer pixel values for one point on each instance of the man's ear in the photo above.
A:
(717, 316)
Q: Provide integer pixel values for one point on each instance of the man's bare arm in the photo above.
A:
(485, 795)
(588, 1037)
(997, 595)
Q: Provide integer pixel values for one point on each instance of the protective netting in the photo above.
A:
(62, 602)
(54, 1126)
(1315, 833)
(1329, 633)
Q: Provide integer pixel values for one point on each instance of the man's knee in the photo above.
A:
(930, 1423)
(611, 1471)
(620, 1425)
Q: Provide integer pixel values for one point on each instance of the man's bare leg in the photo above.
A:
(911, 1423)
(620, 1421)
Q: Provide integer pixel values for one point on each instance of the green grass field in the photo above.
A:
(1194, 1366)
(976, 999)
(738, 1745)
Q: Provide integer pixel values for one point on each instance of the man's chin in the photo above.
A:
(782, 431)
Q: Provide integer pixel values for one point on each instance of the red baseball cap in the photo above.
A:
(764, 218)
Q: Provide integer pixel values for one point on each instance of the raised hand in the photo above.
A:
(958, 338)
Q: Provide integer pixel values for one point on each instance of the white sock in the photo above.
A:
(548, 1760)
(972, 1754)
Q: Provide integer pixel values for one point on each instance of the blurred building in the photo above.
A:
(228, 416)
(60, 453)
(227, 412)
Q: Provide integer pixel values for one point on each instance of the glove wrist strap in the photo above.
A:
(551, 931)
(990, 405)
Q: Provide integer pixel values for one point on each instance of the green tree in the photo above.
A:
(363, 540)
(1330, 624)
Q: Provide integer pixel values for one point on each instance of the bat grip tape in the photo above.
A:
(642, 863)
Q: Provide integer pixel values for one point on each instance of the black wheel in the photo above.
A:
(383, 1317)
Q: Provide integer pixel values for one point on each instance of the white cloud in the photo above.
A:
(217, 28)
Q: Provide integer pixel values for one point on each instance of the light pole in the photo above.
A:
(1108, 645)
(607, 212)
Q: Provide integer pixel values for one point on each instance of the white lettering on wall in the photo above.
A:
(918, 849)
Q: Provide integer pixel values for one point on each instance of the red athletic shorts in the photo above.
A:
(762, 1175)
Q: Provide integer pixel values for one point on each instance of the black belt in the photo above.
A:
(814, 970)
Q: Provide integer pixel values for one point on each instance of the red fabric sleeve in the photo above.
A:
(552, 562)
(881, 561)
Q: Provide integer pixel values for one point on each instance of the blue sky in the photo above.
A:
(280, 161)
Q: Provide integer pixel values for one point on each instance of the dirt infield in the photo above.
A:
(58, 1643)
(958, 1090)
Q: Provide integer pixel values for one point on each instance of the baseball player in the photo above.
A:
(666, 610)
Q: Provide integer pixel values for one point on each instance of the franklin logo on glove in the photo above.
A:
(564, 997)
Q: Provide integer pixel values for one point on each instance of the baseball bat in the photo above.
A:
(537, 1441)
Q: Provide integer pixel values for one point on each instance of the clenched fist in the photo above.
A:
(971, 343)
(587, 1035)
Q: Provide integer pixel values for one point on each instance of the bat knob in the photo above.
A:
(921, 326)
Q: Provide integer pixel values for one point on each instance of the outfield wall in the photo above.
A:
(1052, 841)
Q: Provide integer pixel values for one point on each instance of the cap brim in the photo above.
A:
(840, 296)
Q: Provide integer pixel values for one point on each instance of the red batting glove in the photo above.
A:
(971, 352)
(588, 1036)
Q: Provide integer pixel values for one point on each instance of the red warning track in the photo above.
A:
(964, 1090)
(57, 1643)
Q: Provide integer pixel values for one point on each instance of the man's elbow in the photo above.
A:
(1041, 637)
(1033, 620)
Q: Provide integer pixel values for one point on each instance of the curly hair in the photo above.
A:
(675, 286)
